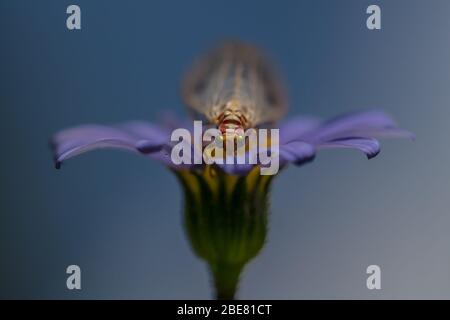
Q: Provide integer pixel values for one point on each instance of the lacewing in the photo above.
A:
(235, 88)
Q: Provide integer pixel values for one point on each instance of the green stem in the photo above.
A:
(226, 279)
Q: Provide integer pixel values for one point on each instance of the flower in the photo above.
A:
(226, 209)
(300, 139)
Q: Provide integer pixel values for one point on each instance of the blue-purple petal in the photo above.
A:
(131, 137)
(236, 169)
(359, 124)
(300, 138)
(356, 130)
(297, 127)
(145, 130)
(297, 152)
(371, 147)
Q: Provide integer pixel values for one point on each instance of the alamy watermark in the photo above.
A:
(73, 21)
(252, 146)
(373, 21)
(74, 279)
(374, 278)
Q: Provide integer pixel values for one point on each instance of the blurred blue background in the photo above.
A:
(119, 216)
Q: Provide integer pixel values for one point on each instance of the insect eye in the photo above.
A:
(240, 140)
(219, 142)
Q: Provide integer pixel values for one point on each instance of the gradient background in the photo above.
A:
(118, 216)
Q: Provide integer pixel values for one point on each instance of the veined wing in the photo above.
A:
(236, 74)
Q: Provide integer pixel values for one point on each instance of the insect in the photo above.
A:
(235, 88)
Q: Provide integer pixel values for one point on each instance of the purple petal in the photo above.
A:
(356, 130)
(149, 146)
(297, 152)
(382, 133)
(236, 169)
(75, 141)
(370, 147)
(145, 130)
(371, 124)
(296, 128)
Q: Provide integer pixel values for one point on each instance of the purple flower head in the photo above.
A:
(300, 139)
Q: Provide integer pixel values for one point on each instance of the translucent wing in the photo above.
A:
(239, 74)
